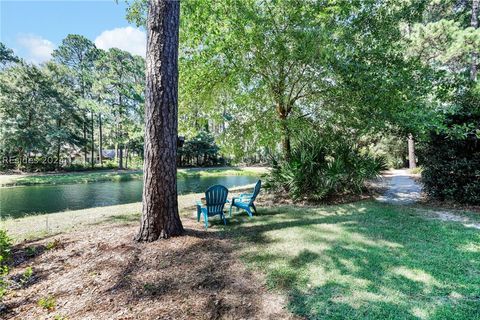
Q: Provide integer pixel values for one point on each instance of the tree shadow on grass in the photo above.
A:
(370, 261)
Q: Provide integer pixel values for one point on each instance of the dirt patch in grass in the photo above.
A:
(448, 205)
(469, 219)
(101, 273)
(447, 216)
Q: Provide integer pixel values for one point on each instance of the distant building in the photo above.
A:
(107, 154)
(79, 155)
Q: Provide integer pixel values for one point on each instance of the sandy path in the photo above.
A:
(401, 188)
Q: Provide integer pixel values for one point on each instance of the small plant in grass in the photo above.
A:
(26, 276)
(53, 244)
(31, 251)
(3, 281)
(417, 170)
(47, 303)
(59, 317)
(5, 247)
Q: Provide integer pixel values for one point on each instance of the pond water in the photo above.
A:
(20, 201)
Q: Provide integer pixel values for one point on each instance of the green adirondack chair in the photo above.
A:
(246, 200)
(216, 197)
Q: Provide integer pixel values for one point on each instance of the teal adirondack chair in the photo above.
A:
(216, 197)
(246, 200)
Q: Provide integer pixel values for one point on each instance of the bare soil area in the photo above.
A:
(101, 273)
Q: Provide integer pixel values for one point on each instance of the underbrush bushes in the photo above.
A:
(320, 168)
(451, 170)
(5, 247)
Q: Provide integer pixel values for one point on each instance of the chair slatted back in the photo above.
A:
(216, 196)
(256, 191)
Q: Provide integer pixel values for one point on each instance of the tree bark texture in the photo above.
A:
(100, 140)
(92, 153)
(160, 218)
(85, 141)
(120, 133)
(286, 145)
(412, 163)
(59, 146)
(120, 157)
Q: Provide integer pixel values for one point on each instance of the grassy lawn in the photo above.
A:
(219, 172)
(96, 176)
(75, 177)
(365, 261)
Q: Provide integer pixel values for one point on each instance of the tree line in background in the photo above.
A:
(73, 109)
(83, 109)
(256, 76)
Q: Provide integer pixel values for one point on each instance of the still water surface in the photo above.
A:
(20, 201)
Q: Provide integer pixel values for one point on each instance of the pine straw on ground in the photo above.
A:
(101, 273)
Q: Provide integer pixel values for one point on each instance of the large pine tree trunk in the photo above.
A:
(126, 158)
(59, 145)
(93, 141)
(474, 24)
(100, 140)
(412, 163)
(160, 218)
(120, 157)
(116, 152)
(85, 143)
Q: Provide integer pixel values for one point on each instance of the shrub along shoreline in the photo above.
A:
(99, 176)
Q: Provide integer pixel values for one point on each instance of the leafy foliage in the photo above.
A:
(387, 146)
(47, 303)
(447, 41)
(273, 62)
(5, 247)
(6, 55)
(452, 163)
(201, 150)
(320, 168)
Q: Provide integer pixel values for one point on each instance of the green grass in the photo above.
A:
(214, 172)
(97, 176)
(83, 177)
(365, 261)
